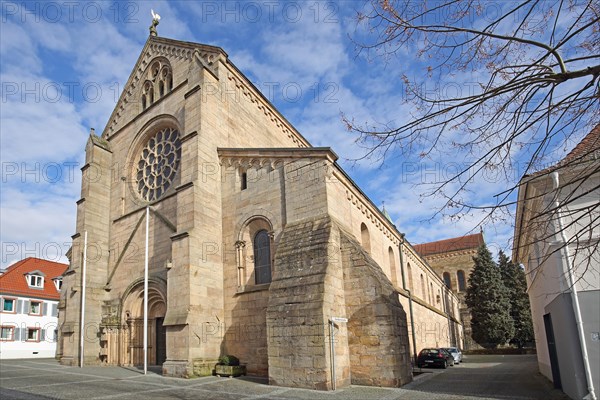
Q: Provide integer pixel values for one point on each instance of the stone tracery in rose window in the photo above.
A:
(158, 82)
(158, 163)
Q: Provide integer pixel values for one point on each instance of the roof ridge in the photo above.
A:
(451, 244)
(457, 238)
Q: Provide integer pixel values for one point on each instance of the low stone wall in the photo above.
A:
(505, 351)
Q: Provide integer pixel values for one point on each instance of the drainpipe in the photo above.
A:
(577, 310)
(410, 306)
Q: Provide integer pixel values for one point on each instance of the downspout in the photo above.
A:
(577, 310)
(410, 306)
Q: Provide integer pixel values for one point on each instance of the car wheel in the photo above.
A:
(445, 365)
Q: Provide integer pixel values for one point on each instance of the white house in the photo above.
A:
(29, 294)
(557, 234)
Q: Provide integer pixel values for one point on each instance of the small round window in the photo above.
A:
(158, 164)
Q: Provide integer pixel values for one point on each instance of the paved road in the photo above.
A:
(479, 377)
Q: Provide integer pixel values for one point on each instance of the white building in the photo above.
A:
(29, 294)
(557, 235)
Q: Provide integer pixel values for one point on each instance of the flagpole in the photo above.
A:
(82, 322)
(146, 293)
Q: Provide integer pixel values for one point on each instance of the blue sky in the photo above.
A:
(63, 65)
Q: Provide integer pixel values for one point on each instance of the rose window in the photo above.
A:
(158, 164)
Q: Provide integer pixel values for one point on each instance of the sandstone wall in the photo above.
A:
(307, 290)
(451, 263)
(377, 324)
(411, 272)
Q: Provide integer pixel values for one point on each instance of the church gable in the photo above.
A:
(163, 65)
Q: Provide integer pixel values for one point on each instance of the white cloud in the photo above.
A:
(18, 50)
(37, 223)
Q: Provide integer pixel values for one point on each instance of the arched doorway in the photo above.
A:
(133, 317)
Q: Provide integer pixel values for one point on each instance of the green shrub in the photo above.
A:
(229, 360)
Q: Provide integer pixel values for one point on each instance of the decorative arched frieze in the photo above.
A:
(374, 218)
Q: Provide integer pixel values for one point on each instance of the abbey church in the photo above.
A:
(259, 245)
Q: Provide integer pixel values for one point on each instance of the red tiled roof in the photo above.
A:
(447, 245)
(584, 150)
(586, 147)
(14, 280)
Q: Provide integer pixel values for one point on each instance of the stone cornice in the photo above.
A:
(189, 136)
(370, 212)
(273, 157)
(191, 91)
(178, 236)
(418, 300)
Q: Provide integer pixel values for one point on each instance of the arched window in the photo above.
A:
(244, 181)
(409, 273)
(157, 83)
(147, 95)
(430, 293)
(169, 83)
(462, 286)
(423, 293)
(447, 280)
(394, 276)
(365, 238)
(262, 257)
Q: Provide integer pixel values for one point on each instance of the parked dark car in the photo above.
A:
(434, 357)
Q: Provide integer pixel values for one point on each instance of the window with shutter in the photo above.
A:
(43, 335)
(55, 310)
(18, 334)
(20, 306)
(7, 332)
(8, 305)
(33, 335)
(35, 308)
(44, 308)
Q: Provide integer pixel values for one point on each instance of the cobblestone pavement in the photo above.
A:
(479, 377)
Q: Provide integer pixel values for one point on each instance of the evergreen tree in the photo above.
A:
(520, 310)
(489, 301)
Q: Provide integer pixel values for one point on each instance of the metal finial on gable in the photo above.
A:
(155, 22)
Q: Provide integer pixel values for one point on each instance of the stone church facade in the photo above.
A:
(452, 259)
(256, 241)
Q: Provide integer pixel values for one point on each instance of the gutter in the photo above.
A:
(410, 306)
(520, 227)
(576, 309)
